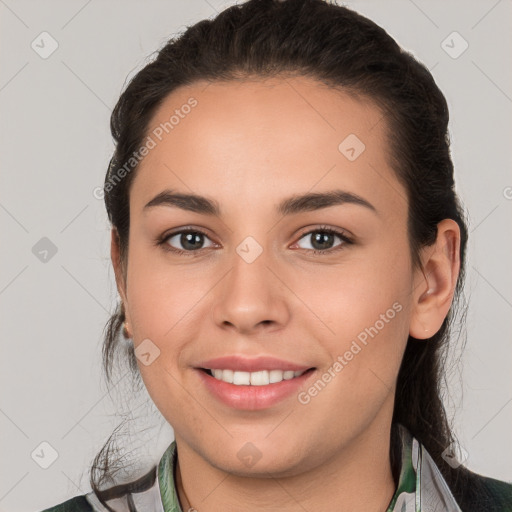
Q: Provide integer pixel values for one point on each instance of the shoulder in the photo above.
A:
(485, 492)
(76, 504)
(499, 491)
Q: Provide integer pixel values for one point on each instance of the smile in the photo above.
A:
(252, 391)
(259, 378)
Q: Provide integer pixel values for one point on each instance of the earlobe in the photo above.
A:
(435, 284)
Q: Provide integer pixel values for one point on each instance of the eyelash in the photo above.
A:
(162, 241)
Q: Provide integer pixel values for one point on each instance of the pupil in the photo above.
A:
(187, 240)
(321, 237)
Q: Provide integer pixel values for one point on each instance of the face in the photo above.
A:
(323, 285)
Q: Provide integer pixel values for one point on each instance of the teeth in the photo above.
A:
(226, 375)
(275, 376)
(240, 378)
(261, 378)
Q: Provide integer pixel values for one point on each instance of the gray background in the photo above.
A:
(55, 147)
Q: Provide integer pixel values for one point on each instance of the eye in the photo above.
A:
(188, 241)
(191, 241)
(322, 239)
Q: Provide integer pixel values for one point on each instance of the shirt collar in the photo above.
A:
(421, 486)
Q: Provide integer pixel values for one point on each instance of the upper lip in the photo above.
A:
(246, 364)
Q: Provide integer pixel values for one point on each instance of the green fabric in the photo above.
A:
(407, 481)
(501, 489)
(492, 495)
(76, 504)
(168, 492)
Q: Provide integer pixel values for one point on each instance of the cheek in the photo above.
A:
(365, 304)
(365, 353)
(351, 296)
(161, 297)
(169, 393)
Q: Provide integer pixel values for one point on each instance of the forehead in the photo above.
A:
(254, 141)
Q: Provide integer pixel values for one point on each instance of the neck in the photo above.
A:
(357, 477)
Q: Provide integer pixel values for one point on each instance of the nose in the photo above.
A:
(251, 297)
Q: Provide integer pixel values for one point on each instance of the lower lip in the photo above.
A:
(253, 398)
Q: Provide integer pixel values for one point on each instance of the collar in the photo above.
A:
(421, 486)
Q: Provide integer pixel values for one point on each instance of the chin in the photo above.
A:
(262, 459)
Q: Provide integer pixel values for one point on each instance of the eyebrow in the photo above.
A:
(293, 205)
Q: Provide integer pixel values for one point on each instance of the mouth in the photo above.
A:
(253, 391)
(258, 378)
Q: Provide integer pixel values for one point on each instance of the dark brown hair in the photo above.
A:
(343, 50)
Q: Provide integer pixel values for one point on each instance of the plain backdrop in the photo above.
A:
(55, 147)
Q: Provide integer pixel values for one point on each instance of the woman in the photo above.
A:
(288, 250)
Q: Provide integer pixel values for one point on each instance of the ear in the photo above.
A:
(434, 285)
(119, 270)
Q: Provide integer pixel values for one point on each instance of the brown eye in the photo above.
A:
(322, 240)
(185, 241)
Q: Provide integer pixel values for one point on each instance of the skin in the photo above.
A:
(248, 145)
